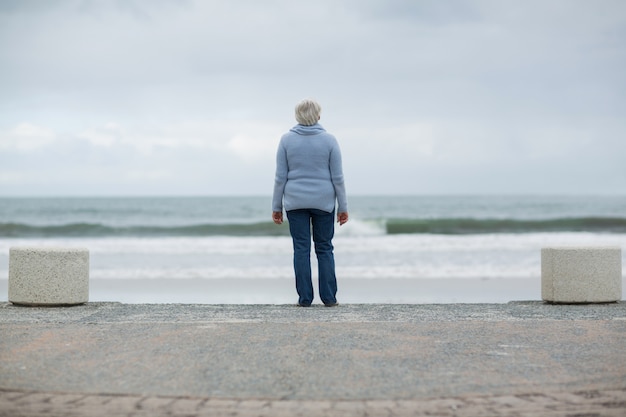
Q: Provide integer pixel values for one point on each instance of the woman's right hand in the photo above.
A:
(277, 216)
(342, 218)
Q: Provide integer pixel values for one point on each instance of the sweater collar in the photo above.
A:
(315, 129)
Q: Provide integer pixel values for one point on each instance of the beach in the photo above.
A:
(282, 291)
(192, 312)
(226, 250)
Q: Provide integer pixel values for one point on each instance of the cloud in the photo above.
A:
(252, 148)
(247, 139)
(105, 136)
(189, 158)
(26, 137)
(193, 96)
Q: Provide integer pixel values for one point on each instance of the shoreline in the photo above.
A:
(282, 291)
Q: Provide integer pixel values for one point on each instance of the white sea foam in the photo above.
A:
(356, 227)
(357, 257)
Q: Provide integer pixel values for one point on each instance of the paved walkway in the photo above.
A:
(109, 359)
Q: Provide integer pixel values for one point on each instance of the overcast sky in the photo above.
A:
(425, 97)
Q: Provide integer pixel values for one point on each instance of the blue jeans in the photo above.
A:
(323, 224)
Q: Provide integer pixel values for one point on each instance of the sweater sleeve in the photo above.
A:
(336, 174)
(281, 178)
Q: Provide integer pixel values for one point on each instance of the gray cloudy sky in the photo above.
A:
(426, 97)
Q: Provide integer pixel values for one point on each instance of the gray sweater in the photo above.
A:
(309, 172)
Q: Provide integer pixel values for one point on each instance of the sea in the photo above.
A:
(394, 249)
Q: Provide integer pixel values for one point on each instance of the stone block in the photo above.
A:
(581, 274)
(48, 275)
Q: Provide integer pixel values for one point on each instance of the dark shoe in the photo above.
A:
(331, 304)
(304, 305)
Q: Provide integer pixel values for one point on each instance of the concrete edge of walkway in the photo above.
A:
(111, 312)
(562, 403)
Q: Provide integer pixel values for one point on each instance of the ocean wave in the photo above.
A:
(100, 230)
(462, 226)
(442, 226)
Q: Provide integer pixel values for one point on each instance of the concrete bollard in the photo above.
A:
(48, 276)
(581, 274)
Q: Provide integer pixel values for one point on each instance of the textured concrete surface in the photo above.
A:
(606, 403)
(48, 275)
(581, 274)
(521, 358)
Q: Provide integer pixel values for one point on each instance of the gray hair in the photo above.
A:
(308, 112)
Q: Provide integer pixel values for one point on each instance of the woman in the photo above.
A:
(309, 179)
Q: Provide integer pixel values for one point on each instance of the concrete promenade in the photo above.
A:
(515, 359)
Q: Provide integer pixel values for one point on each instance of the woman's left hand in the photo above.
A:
(342, 218)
